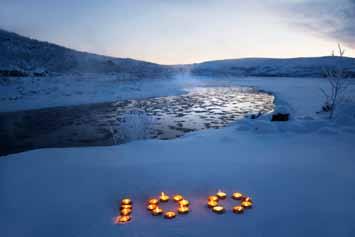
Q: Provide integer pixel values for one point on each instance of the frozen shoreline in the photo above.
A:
(36, 93)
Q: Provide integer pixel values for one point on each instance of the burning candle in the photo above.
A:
(126, 212)
(238, 209)
(184, 202)
(122, 219)
(157, 211)
(126, 201)
(170, 215)
(164, 197)
(153, 201)
(183, 209)
(237, 196)
(126, 207)
(247, 199)
(211, 204)
(213, 198)
(178, 198)
(221, 195)
(151, 207)
(218, 209)
(247, 204)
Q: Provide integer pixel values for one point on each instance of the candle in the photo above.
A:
(221, 195)
(164, 197)
(126, 207)
(247, 204)
(153, 201)
(170, 215)
(126, 201)
(183, 209)
(218, 209)
(157, 211)
(126, 212)
(151, 207)
(177, 198)
(212, 204)
(213, 198)
(122, 219)
(184, 202)
(247, 199)
(237, 196)
(238, 209)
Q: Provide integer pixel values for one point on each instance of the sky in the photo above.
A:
(187, 31)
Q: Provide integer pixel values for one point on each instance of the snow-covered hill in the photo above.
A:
(21, 56)
(268, 67)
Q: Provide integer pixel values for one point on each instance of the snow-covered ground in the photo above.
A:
(274, 67)
(34, 93)
(299, 173)
(43, 92)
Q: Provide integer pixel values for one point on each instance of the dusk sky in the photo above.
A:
(187, 31)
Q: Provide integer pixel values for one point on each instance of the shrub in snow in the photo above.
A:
(338, 83)
(255, 116)
(136, 124)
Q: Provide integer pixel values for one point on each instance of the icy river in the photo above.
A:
(122, 121)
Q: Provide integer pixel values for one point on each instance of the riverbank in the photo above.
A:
(112, 123)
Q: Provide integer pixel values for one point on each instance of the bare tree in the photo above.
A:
(338, 82)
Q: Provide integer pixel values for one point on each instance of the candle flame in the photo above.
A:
(122, 219)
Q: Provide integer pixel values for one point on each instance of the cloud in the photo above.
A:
(334, 19)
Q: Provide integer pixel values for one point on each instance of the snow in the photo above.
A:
(31, 56)
(299, 174)
(275, 67)
(36, 92)
(297, 191)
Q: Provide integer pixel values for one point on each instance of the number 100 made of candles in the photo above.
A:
(156, 205)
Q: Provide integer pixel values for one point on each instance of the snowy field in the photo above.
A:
(300, 174)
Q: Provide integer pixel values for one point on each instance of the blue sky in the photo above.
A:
(183, 31)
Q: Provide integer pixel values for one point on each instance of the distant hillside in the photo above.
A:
(21, 56)
(266, 67)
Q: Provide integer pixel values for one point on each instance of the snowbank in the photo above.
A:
(301, 185)
(299, 173)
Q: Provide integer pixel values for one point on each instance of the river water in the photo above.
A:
(122, 121)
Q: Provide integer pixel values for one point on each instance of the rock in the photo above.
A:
(279, 117)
